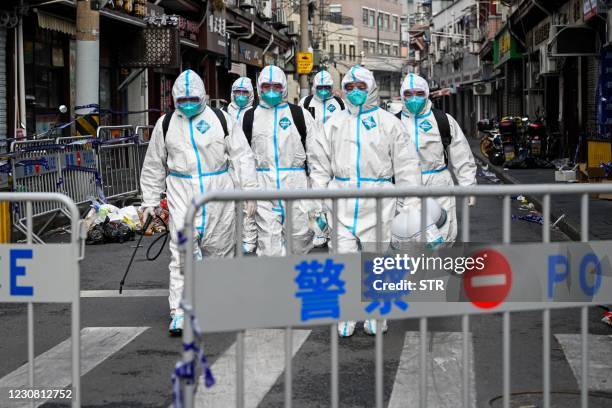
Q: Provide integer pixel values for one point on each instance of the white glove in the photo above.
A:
(471, 201)
(148, 212)
(251, 208)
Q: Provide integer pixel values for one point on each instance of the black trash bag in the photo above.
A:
(95, 235)
(117, 231)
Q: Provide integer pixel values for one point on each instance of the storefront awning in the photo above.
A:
(574, 41)
(51, 22)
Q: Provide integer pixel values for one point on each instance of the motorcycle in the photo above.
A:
(537, 138)
(491, 145)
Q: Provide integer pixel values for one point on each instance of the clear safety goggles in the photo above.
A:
(408, 93)
(356, 85)
(266, 86)
(188, 99)
(241, 92)
(324, 88)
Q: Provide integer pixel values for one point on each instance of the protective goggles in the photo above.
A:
(324, 88)
(241, 92)
(188, 99)
(266, 86)
(356, 85)
(414, 92)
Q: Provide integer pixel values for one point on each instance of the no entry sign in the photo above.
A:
(488, 287)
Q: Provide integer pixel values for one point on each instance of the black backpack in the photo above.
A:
(220, 116)
(443, 126)
(296, 113)
(312, 111)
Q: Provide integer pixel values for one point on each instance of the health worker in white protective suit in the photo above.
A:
(364, 147)
(191, 159)
(278, 134)
(441, 145)
(242, 100)
(322, 105)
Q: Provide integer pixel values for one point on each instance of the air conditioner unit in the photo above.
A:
(265, 10)
(474, 47)
(279, 20)
(292, 29)
(246, 4)
(475, 35)
(483, 88)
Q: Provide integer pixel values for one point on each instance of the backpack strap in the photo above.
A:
(218, 113)
(399, 115)
(340, 102)
(298, 118)
(166, 123)
(247, 124)
(221, 118)
(444, 128)
(307, 102)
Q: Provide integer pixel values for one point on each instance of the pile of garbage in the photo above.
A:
(532, 215)
(107, 223)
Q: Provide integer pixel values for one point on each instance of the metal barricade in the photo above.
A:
(200, 288)
(50, 275)
(79, 177)
(35, 168)
(118, 161)
(143, 135)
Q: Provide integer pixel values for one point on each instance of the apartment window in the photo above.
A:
(343, 49)
(372, 47)
(372, 18)
(380, 20)
(365, 46)
(395, 23)
(331, 51)
(352, 52)
(395, 51)
(365, 16)
(386, 22)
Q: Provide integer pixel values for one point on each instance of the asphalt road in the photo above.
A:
(134, 356)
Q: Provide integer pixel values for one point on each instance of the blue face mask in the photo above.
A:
(190, 109)
(272, 97)
(357, 97)
(415, 104)
(241, 100)
(323, 93)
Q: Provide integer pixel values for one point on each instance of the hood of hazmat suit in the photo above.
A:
(424, 134)
(194, 153)
(281, 165)
(364, 147)
(322, 109)
(234, 109)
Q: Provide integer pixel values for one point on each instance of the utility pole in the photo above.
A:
(304, 44)
(87, 60)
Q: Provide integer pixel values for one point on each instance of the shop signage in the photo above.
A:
(589, 9)
(188, 29)
(541, 33)
(504, 48)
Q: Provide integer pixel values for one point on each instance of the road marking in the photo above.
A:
(126, 293)
(600, 364)
(53, 367)
(488, 280)
(444, 371)
(264, 362)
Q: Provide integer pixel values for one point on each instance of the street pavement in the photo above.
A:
(130, 357)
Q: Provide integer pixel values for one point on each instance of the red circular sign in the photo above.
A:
(488, 282)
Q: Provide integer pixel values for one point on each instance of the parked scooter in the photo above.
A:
(491, 145)
(537, 139)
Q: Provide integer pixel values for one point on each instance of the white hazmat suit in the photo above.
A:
(364, 147)
(324, 109)
(425, 136)
(236, 112)
(281, 162)
(191, 160)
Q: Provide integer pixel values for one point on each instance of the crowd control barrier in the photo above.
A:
(276, 303)
(117, 151)
(32, 273)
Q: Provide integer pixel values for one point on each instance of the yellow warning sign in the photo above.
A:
(304, 62)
